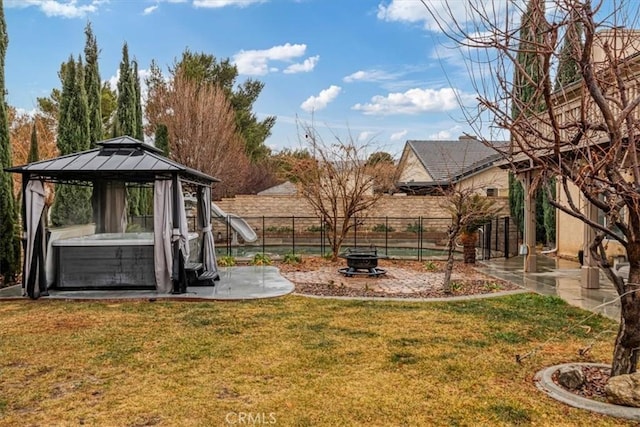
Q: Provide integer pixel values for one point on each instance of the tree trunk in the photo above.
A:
(469, 241)
(627, 346)
(625, 352)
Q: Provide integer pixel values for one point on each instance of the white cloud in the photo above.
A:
(398, 135)
(303, 67)
(59, 8)
(316, 103)
(150, 9)
(223, 3)
(416, 12)
(256, 62)
(365, 136)
(368, 76)
(414, 101)
(443, 135)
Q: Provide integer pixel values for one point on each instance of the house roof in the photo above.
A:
(123, 158)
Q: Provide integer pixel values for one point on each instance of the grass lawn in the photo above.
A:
(294, 361)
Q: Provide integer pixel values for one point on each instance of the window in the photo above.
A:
(492, 192)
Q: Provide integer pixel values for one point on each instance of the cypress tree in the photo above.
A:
(126, 117)
(524, 94)
(34, 155)
(93, 86)
(137, 100)
(9, 236)
(126, 106)
(72, 204)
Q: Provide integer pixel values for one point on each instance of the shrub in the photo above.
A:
(291, 258)
(414, 228)
(381, 228)
(274, 229)
(430, 266)
(261, 259)
(317, 229)
(226, 261)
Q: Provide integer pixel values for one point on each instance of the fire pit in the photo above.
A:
(362, 261)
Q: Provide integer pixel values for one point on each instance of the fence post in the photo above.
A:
(226, 221)
(293, 234)
(263, 235)
(386, 236)
(355, 232)
(506, 237)
(496, 234)
(419, 238)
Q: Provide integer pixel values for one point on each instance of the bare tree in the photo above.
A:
(202, 129)
(336, 181)
(586, 133)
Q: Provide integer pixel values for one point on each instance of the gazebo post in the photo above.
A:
(23, 214)
(175, 271)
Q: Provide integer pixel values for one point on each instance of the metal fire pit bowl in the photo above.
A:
(362, 262)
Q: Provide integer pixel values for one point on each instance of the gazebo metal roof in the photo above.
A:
(118, 159)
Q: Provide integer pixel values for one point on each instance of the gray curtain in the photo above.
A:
(204, 222)
(162, 228)
(109, 202)
(165, 232)
(33, 273)
(183, 229)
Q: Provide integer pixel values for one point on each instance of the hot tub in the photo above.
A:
(107, 261)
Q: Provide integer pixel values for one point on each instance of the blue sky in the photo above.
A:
(368, 68)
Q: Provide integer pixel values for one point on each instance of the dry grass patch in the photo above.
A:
(308, 362)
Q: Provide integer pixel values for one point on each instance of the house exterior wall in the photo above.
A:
(570, 230)
(493, 177)
(570, 107)
(411, 168)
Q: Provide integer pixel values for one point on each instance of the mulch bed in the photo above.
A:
(595, 379)
(474, 282)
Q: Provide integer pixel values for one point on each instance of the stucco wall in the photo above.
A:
(570, 230)
(411, 169)
(490, 178)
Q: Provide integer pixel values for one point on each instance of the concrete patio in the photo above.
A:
(237, 283)
(559, 277)
(554, 277)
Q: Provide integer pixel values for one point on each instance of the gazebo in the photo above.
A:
(107, 169)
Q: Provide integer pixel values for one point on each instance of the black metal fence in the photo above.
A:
(397, 237)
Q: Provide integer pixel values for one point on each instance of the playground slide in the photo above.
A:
(237, 223)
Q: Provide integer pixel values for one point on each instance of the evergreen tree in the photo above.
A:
(34, 156)
(9, 233)
(126, 117)
(568, 71)
(549, 213)
(162, 139)
(93, 86)
(126, 107)
(526, 100)
(516, 202)
(145, 195)
(137, 99)
(72, 204)
(207, 69)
